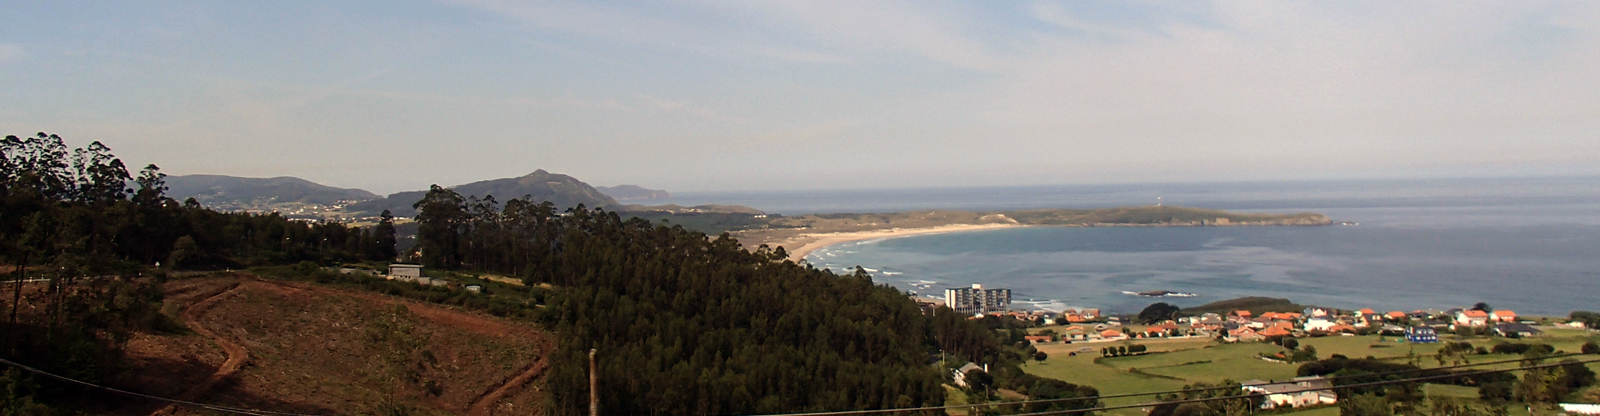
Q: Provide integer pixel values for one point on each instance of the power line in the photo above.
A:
(1114, 396)
(224, 409)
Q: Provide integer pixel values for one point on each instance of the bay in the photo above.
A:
(1527, 244)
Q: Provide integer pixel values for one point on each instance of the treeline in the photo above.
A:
(79, 205)
(687, 324)
(78, 222)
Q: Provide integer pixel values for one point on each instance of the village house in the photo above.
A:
(1503, 316)
(1303, 391)
(960, 374)
(1205, 329)
(1472, 318)
(398, 271)
(1244, 334)
(1342, 329)
(1275, 331)
(1421, 335)
(1162, 328)
(1320, 324)
(1074, 332)
(1516, 330)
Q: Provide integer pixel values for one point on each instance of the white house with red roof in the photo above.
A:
(1472, 318)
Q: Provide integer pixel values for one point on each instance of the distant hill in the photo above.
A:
(562, 190)
(230, 190)
(628, 193)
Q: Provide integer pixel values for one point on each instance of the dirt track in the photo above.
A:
(237, 355)
(482, 406)
(482, 394)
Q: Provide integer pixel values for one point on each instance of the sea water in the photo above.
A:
(1531, 245)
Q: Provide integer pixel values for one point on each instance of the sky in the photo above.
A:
(755, 95)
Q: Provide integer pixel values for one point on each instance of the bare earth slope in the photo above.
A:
(311, 349)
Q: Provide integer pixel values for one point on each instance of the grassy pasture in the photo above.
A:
(1173, 363)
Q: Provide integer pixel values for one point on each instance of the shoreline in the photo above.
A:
(818, 241)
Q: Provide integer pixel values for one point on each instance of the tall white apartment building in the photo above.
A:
(977, 300)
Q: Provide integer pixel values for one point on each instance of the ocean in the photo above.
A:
(1531, 245)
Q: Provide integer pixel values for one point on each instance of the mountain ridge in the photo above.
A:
(562, 190)
(234, 190)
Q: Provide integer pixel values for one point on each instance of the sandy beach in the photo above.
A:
(810, 242)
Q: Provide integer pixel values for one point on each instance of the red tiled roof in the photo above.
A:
(1274, 332)
(1505, 314)
(1476, 314)
(1396, 314)
(1367, 311)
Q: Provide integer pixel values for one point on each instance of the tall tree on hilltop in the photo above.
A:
(101, 177)
(152, 186)
(441, 220)
(383, 238)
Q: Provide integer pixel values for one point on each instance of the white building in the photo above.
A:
(977, 300)
(397, 271)
(1303, 391)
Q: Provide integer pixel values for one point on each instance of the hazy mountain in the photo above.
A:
(562, 190)
(627, 193)
(222, 190)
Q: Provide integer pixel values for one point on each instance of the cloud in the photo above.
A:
(10, 52)
(884, 93)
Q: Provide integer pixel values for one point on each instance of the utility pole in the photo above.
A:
(594, 386)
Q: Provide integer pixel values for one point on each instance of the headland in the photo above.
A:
(800, 235)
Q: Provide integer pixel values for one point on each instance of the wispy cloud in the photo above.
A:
(895, 92)
(10, 52)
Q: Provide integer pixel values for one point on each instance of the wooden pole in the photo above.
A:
(594, 386)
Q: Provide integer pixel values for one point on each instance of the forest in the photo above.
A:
(99, 241)
(682, 322)
(685, 323)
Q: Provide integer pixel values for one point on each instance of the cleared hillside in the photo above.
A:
(313, 349)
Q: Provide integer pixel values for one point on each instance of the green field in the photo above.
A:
(1083, 370)
(1173, 363)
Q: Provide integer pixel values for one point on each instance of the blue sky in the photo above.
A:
(743, 95)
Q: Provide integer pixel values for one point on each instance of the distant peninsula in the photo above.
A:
(799, 235)
(629, 193)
